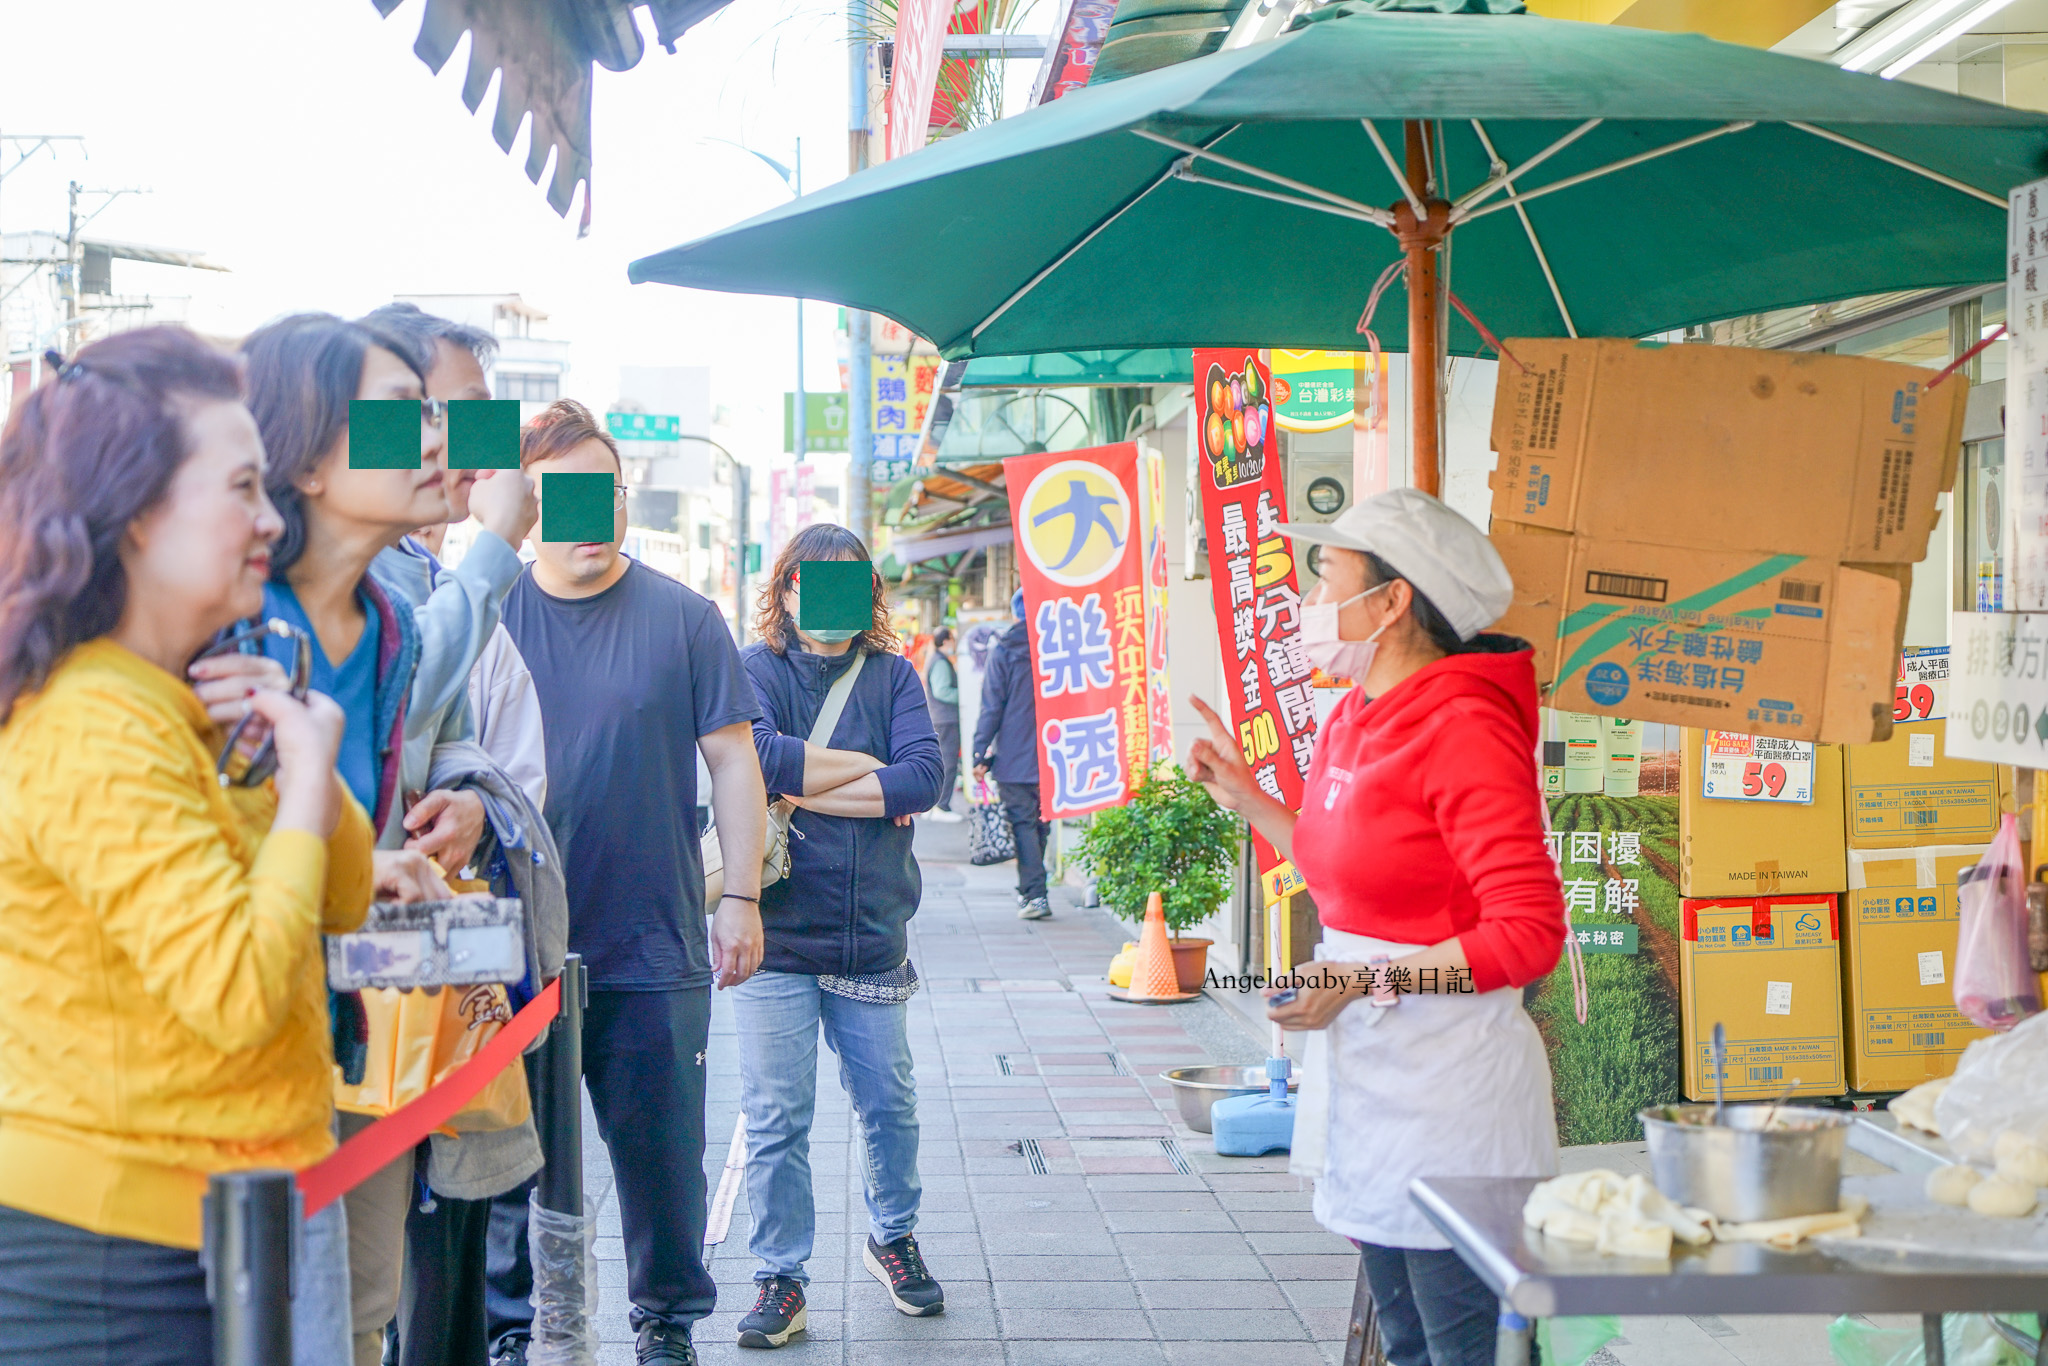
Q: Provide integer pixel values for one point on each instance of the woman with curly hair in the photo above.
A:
(835, 953)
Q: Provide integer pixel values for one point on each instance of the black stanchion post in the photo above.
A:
(558, 1107)
(251, 1219)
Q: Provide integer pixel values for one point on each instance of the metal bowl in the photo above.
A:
(1196, 1089)
(1739, 1170)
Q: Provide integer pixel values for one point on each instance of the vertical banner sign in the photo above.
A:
(1251, 570)
(1072, 59)
(1081, 532)
(1161, 721)
(2026, 313)
(914, 77)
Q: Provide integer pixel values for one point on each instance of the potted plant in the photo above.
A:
(1173, 839)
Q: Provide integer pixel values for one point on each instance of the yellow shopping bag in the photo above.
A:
(418, 1039)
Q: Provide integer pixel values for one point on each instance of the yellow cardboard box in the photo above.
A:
(1899, 931)
(1759, 848)
(1905, 792)
(1769, 970)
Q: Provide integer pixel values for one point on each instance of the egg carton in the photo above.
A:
(465, 941)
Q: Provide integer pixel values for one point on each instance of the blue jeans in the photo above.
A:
(778, 1014)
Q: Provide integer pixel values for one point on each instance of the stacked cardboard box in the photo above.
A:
(1768, 970)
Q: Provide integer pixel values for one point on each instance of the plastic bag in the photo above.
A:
(1967, 1340)
(1572, 1342)
(2001, 1083)
(1994, 986)
(564, 1252)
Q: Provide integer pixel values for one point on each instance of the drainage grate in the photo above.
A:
(1117, 1066)
(1177, 1156)
(1003, 1065)
(1028, 1149)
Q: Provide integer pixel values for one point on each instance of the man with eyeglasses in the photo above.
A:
(636, 674)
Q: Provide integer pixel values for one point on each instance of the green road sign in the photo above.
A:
(644, 426)
(825, 421)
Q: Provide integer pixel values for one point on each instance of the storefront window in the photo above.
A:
(1991, 360)
(1922, 339)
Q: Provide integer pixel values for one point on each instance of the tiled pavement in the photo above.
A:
(1072, 1218)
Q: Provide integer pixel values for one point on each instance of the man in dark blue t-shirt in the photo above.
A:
(634, 673)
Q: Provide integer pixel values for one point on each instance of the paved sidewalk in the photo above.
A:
(1070, 1215)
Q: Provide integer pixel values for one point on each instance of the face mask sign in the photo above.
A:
(835, 599)
(1327, 650)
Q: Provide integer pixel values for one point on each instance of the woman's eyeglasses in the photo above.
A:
(247, 639)
(434, 412)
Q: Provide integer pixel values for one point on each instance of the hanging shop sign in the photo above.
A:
(2026, 312)
(1312, 390)
(1756, 768)
(1251, 574)
(1160, 724)
(902, 391)
(1998, 688)
(1083, 521)
(825, 422)
(1072, 59)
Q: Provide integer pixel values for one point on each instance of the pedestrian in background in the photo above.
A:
(942, 688)
(836, 951)
(166, 1007)
(636, 674)
(1006, 745)
(303, 372)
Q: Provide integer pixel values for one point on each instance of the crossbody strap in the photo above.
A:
(835, 701)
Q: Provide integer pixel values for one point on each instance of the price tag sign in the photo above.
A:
(1756, 768)
(1922, 693)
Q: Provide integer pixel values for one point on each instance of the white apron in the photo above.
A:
(1443, 1085)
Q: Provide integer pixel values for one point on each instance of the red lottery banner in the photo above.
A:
(1251, 572)
(1082, 520)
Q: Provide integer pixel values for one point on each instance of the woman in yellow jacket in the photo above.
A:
(163, 1007)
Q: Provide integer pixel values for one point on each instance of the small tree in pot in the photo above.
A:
(1170, 838)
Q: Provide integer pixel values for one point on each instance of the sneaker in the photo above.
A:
(512, 1353)
(943, 816)
(1037, 908)
(662, 1344)
(900, 1267)
(778, 1313)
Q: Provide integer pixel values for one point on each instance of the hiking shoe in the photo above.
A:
(512, 1353)
(900, 1267)
(1037, 908)
(778, 1313)
(662, 1344)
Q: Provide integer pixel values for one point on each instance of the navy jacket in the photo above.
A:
(853, 883)
(1009, 711)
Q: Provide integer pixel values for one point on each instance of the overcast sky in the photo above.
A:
(302, 144)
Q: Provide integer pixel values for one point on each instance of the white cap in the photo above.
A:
(1449, 560)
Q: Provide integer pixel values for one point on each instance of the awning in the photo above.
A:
(1077, 369)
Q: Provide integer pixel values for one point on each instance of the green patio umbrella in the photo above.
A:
(1568, 178)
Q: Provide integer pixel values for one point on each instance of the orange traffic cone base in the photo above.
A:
(1153, 979)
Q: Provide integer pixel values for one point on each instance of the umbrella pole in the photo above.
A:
(1425, 313)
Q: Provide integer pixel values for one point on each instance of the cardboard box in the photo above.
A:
(1835, 458)
(1769, 970)
(1907, 791)
(1899, 931)
(1718, 536)
(1759, 848)
(1737, 640)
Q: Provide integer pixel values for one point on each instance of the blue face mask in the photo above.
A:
(831, 637)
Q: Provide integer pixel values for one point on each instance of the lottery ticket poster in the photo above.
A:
(1618, 859)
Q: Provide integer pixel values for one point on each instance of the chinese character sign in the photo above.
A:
(1251, 570)
(1161, 729)
(903, 389)
(1082, 526)
(2026, 312)
(1072, 60)
(1998, 688)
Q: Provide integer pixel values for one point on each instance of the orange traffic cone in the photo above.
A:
(1152, 976)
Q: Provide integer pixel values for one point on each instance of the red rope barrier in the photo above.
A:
(370, 1151)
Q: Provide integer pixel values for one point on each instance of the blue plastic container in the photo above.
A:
(1252, 1126)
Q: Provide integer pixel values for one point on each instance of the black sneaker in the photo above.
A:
(778, 1313)
(662, 1344)
(900, 1267)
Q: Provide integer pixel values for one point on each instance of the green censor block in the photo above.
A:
(384, 433)
(576, 507)
(483, 434)
(835, 595)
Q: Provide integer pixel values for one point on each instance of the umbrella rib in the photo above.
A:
(1542, 258)
(1506, 177)
(1610, 168)
(1090, 236)
(1394, 168)
(1372, 211)
(1379, 218)
(1915, 167)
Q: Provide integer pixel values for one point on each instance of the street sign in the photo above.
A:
(644, 426)
(825, 421)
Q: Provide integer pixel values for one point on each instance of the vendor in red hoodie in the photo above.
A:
(1421, 837)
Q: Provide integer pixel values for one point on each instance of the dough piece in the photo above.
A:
(1951, 1185)
(1623, 1235)
(1916, 1107)
(2002, 1199)
(2021, 1160)
(1572, 1225)
(1845, 1222)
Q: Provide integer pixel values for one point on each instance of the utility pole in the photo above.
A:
(803, 442)
(860, 436)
